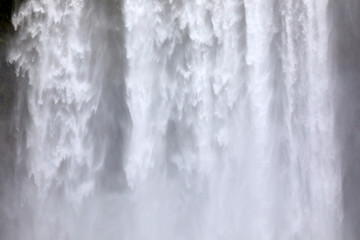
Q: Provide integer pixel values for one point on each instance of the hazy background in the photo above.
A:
(344, 16)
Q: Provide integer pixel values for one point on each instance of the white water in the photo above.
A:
(150, 119)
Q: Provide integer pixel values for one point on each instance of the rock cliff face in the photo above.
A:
(7, 99)
(7, 76)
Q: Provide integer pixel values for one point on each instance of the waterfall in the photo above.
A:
(153, 119)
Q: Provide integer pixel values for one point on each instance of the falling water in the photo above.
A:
(152, 119)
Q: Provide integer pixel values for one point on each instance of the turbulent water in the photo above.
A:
(168, 119)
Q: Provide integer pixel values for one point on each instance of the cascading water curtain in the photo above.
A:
(165, 119)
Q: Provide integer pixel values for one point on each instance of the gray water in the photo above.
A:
(157, 120)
